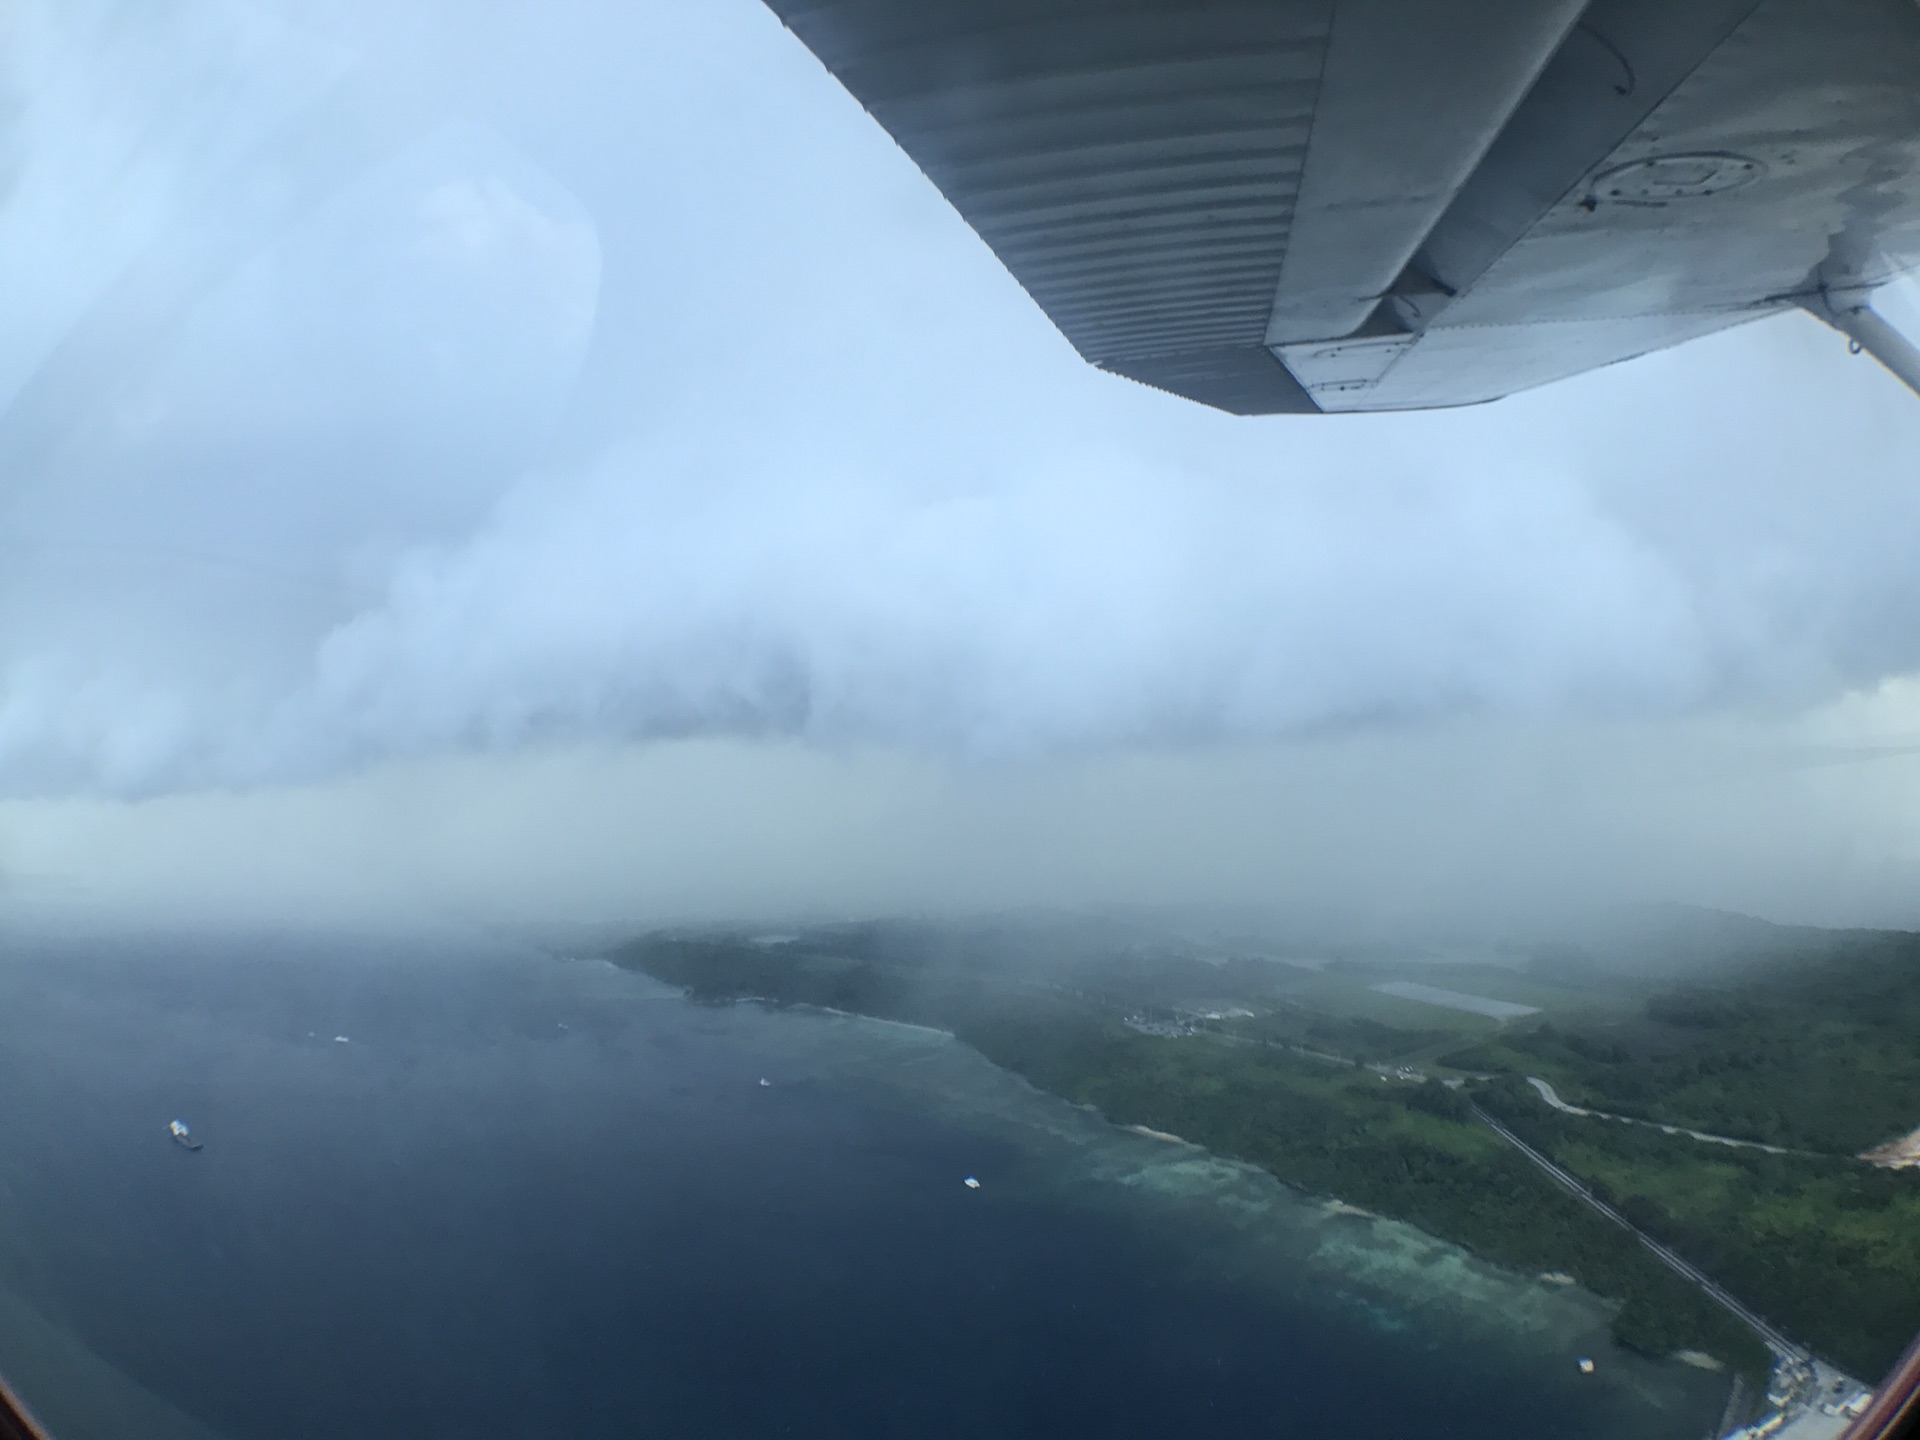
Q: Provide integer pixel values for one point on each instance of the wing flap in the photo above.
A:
(1411, 96)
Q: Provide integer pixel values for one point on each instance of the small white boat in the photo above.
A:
(182, 1136)
(971, 1183)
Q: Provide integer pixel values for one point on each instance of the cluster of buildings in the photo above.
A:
(1807, 1400)
(1185, 1019)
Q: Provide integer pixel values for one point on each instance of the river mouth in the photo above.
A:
(554, 1197)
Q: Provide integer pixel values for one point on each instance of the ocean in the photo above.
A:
(456, 1188)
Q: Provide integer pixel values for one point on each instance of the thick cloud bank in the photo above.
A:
(1097, 608)
(462, 379)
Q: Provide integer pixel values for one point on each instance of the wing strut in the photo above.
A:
(1851, 312)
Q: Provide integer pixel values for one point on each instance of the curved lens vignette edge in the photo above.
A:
(735, 717)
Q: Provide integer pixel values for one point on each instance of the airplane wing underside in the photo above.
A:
(1289, 206)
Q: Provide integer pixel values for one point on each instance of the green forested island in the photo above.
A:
(1307, 1068)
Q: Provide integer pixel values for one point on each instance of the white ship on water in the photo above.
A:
(182, 1135)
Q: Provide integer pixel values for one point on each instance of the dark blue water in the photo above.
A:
(532, 1197)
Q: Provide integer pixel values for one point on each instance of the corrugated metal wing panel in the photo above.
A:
(1135, 166)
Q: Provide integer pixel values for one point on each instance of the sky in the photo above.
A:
(545, 461)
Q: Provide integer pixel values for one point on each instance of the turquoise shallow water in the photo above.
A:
(530, 1197)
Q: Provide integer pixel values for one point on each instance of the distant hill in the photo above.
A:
(1670, 942)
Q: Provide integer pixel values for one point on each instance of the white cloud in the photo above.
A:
(1098, 608)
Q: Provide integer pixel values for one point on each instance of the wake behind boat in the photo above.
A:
(182, 1135)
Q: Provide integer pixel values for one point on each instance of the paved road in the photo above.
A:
(1547, 1094)
(1775, 1341)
